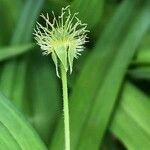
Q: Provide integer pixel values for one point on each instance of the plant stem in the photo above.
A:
(66, 108)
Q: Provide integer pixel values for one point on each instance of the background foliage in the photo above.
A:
(108, 90)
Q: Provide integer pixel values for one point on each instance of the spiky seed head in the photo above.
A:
(63, 38)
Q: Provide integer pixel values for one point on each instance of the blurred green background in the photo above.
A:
(109, 96)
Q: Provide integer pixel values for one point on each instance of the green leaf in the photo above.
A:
(13, 51)
(7, 140)
(18, 94)
(89, 11)
(42, 94)
(104, 103)
(8, 20)
(143, 56)
(141, 72)
(22, 34)
(15, 130)
(131, 122)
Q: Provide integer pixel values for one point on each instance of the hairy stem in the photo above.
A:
(66, 108)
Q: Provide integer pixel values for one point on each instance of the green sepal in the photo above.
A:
(71, 56)
(54, 57)
(61, 52)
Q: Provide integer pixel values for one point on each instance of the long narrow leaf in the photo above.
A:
(87, 14)
(104, 102)
(43, 92)
(21, 35)
(132, 116)
(16, 129)
(13, 51)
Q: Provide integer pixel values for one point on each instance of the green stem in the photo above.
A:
(66, 108)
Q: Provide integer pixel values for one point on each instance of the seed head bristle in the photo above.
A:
(64, 38)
